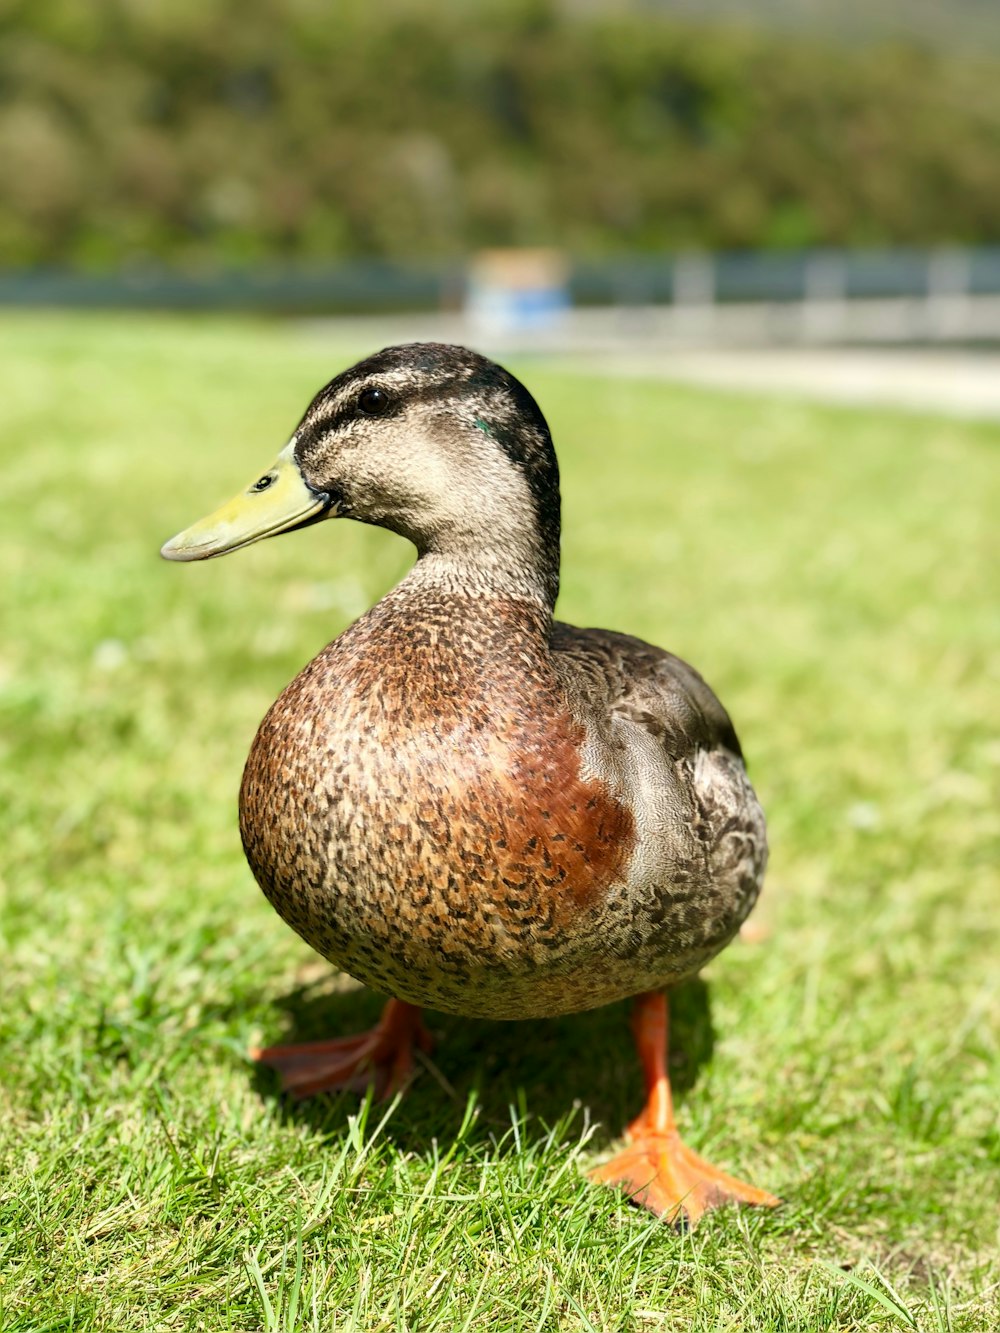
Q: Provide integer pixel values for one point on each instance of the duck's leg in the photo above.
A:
(657, 1170)
(383, 1056)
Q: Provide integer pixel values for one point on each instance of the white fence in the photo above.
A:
(825, 297)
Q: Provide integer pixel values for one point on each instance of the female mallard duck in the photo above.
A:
(462, 802)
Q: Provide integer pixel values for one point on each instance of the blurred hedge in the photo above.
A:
(192, 131)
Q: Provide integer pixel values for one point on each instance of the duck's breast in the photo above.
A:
(416, 805)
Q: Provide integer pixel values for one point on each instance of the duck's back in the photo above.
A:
(470, 809)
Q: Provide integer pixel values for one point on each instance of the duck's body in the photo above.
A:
(560, 818)
(462, 802)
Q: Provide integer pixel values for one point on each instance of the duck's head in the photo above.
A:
(431, 441)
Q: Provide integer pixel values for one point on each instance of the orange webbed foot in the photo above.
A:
(660, 1172)
(657, 1170)
(383, 1056)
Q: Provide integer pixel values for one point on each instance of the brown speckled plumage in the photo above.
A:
(461, 802)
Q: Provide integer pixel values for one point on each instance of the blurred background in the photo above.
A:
(586, 176)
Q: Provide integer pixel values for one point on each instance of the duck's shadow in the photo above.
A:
(545, 1067)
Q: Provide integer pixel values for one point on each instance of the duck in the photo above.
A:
(464, 803)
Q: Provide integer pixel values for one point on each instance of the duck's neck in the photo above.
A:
(492, 532)
(489, 574)
(487, 523)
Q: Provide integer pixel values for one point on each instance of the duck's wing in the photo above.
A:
(654, 689)
(659, 735)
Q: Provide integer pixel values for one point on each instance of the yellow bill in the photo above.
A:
(275, 502)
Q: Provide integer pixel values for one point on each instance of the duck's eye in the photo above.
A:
(262, 483)
(373, 402)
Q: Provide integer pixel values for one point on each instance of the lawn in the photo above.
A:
(829, 571)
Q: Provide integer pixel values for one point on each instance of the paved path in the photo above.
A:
(957, 383)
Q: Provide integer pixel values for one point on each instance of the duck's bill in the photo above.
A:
(275, 502)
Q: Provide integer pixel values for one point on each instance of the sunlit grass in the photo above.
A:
(831, 572)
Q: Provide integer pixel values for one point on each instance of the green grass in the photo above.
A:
(827, 569)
